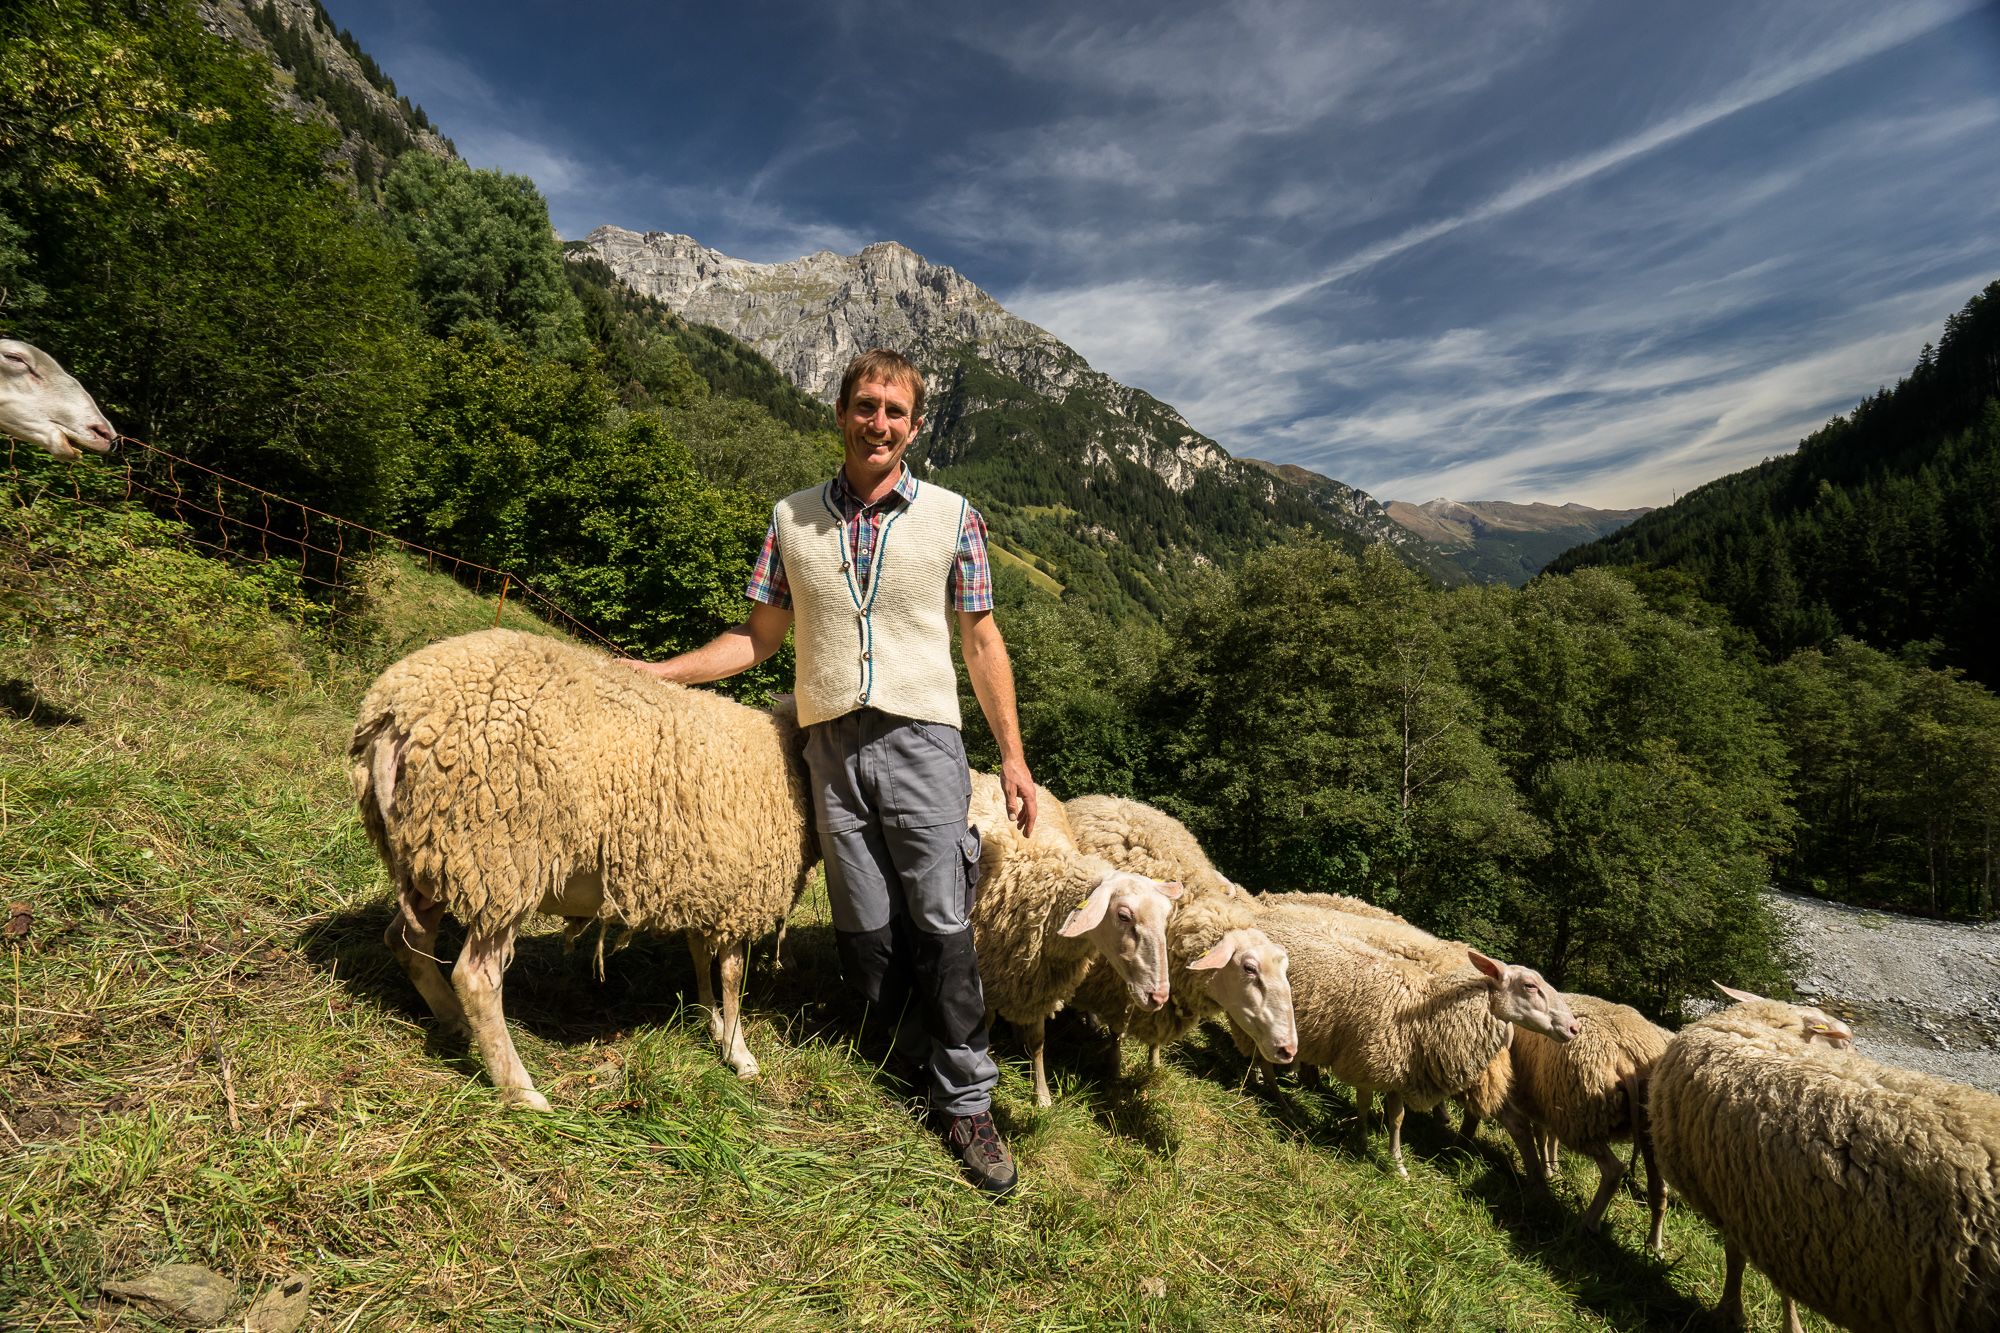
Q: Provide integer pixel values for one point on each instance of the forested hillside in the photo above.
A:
(1884, 526)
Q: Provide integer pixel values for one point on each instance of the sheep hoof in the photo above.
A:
(523, 1099)
(745, 1065)
(1401, 1170)
(715, 1027)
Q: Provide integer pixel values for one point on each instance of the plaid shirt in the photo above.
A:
(970, 586)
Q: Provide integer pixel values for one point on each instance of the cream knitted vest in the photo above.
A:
(886, 645)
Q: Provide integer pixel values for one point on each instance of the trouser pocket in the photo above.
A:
(969, 849)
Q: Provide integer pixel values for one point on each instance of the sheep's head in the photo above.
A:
(1800, 1020)
(1124, 916)
(41, 403)
(1518, 995)
(1248, 978)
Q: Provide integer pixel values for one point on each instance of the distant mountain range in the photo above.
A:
(1497, 541)
(1090, 485)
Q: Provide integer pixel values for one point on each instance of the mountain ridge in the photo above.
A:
(1073, 466)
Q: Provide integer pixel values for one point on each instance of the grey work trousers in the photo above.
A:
(890, 796)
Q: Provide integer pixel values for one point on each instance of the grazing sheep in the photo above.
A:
(1867, 1192)
(1220, 960)
(41, 403)
(501, 774)
(1044, 911)
(1587, 1093)
(1417, 1019)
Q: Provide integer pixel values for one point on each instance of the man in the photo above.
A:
(866, 567)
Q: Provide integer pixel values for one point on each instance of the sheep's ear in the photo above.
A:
(1495, 970)
(1219, 956)
(1089, 910)
(1734, 994)
(1169, 887)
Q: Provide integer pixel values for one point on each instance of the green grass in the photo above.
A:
(206, 1056)
(1030, 566)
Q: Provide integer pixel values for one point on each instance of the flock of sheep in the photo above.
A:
(502, 774)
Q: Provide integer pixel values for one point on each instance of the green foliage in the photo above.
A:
(1312, 728)
(485, 253)
(530, 465)
(1898, 781)
(1884, 526)
(1636, 740)
(641, 339)
(221, 296)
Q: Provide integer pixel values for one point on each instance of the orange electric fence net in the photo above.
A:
(240, 522)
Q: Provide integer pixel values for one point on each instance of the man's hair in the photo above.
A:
(879, 363)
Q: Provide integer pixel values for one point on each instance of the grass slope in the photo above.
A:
(208, 1057)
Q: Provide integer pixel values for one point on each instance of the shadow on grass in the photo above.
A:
(554, 994)
(1615, 1280)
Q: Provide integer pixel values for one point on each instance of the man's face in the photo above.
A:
(876, 428)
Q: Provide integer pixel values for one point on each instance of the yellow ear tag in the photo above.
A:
(1083, 902)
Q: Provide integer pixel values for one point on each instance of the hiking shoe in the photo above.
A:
(977, 1142)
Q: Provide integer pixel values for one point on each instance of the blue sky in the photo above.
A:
(1493, 250)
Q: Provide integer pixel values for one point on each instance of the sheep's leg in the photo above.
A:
(1792, 1324)
(1551, 1149)
(1392, 1111)
(1364, 1104)
(1656, 1192)
(1730, 1307)
(476, 977)
(412, 938)
(1609, 1170)
(735, 1051)
(1527, 1137)
(1468, 1125)
(702, 950)
(1033, 1034)
(1153, 1057)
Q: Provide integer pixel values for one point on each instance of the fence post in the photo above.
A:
(504, 579)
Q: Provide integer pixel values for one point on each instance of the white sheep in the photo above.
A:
(1221, 961)
(42, 403)
(501, 774)
(1415, 1018)
(1586, 1094)
(1044, 911)
(1864, 1191)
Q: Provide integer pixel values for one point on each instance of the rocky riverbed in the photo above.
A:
(1919, 993)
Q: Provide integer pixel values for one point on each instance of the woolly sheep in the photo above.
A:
(1335, 902)
(1587, 1093)
(1044, 911)
(1415, 1018)
(501, 774)
(42, 403)
(1220, 960)
(1867, 1192)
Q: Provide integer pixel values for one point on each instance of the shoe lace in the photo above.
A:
(980, 1130)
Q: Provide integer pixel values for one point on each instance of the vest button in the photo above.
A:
(864, 696)
(867, 654)
(844, 566)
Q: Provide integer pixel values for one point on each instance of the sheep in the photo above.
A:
(1135, 836)
(1335, 902)
(502, 773)
(1213, 931)
(1867, 1192)
(1416, 1018)
(1044, 911)
(41, 403)
(1586, 1093)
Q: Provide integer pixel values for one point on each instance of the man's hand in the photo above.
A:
(1019, 786)
(737, 648)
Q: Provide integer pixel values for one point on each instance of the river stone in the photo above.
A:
(186, 1295)
(282, 1307)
